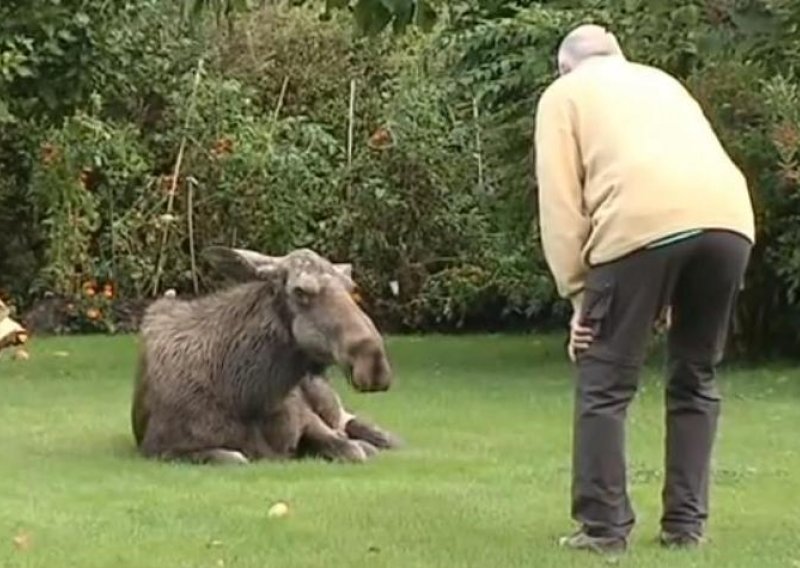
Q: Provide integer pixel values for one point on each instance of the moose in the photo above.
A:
(238, 375)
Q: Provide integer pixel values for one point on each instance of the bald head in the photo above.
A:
(585, 41)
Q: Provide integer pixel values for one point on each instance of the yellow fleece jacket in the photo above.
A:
(625, 156)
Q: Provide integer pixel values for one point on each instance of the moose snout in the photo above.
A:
(370, 370)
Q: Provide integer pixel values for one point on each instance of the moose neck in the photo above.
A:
(262, 361)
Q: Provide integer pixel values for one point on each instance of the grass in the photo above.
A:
(483, 482)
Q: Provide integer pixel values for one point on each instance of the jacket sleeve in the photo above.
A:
(564, 225)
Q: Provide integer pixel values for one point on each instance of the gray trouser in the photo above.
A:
(700, 278)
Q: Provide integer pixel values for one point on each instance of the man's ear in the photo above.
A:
(243, 265)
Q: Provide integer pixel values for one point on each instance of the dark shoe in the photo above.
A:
(597, 544)
(681, 540)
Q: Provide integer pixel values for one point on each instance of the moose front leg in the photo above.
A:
(325, 402)
(294, 430)
(320, 439)
(359, 429)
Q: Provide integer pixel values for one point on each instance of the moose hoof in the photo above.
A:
(351, 452)
(390, 441)
(361, 430)
(370, 450)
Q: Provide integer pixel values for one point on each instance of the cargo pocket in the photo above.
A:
(597, 301)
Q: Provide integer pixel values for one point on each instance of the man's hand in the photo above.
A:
(663, 320)
(580, 337)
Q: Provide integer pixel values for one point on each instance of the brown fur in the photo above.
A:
(218, 376)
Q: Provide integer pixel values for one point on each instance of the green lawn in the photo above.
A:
(483, 482)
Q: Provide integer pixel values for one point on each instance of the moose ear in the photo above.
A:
(345, 270)
(243, 265)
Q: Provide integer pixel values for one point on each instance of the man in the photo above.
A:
(641, 209)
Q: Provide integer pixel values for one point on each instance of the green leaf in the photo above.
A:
(632, 5)
(82, 18)
(5, 114)
(754, 21)
(425, 16)
(403, 11)
(335, 4)
(66, 35)
(24, 71)
(193, 8)
(371, 16)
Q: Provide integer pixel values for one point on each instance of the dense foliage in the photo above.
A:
(132, 134)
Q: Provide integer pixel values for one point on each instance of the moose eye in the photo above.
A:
(302, 295)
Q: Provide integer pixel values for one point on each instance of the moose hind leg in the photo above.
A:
(217, 456)
(175, 440)
(210, 456)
